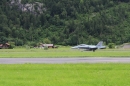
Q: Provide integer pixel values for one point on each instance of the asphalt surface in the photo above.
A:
(64, 60)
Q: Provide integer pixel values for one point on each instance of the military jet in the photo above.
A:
(90, 47)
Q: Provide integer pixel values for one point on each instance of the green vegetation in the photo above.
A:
(62, 52)
(111, 45)
(66, 22)
(65, 75)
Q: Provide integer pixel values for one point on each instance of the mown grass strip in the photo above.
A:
(65, 75)
(62, 52)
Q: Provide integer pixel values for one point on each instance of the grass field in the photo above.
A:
(65, 75)
(83, 74)
(62, 52)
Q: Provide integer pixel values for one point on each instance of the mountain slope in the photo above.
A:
(64, 22)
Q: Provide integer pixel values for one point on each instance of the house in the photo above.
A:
(1, 46)
(4, 46)
(48, 45)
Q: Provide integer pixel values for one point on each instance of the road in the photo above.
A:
(64, 60)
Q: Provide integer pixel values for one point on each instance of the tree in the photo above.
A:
(46, 41)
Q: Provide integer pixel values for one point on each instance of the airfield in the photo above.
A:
(61, 52)
(64, 67)
(63, 55)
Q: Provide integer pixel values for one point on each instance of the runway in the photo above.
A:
(64, 60)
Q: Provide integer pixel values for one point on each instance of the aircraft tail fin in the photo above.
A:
(100, 45)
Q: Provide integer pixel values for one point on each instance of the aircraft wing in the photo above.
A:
(79, 46)
(89, 47)
(86, 47)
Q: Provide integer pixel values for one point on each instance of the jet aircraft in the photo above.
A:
(90, 47)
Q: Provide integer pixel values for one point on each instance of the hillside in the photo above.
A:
(65, 22)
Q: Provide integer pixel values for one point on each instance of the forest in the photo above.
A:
(64, 22)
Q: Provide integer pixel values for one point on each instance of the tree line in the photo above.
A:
(66, 22)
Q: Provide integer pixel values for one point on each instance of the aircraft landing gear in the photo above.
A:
(93, 50)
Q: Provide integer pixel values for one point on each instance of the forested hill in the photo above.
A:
(66, 22)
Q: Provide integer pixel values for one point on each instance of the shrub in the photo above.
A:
(111, 45)
(45, 47)
(12, 45)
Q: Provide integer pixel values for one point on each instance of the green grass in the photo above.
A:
(62, 52)
(65, 75)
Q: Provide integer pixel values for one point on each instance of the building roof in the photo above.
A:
(48, 44)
